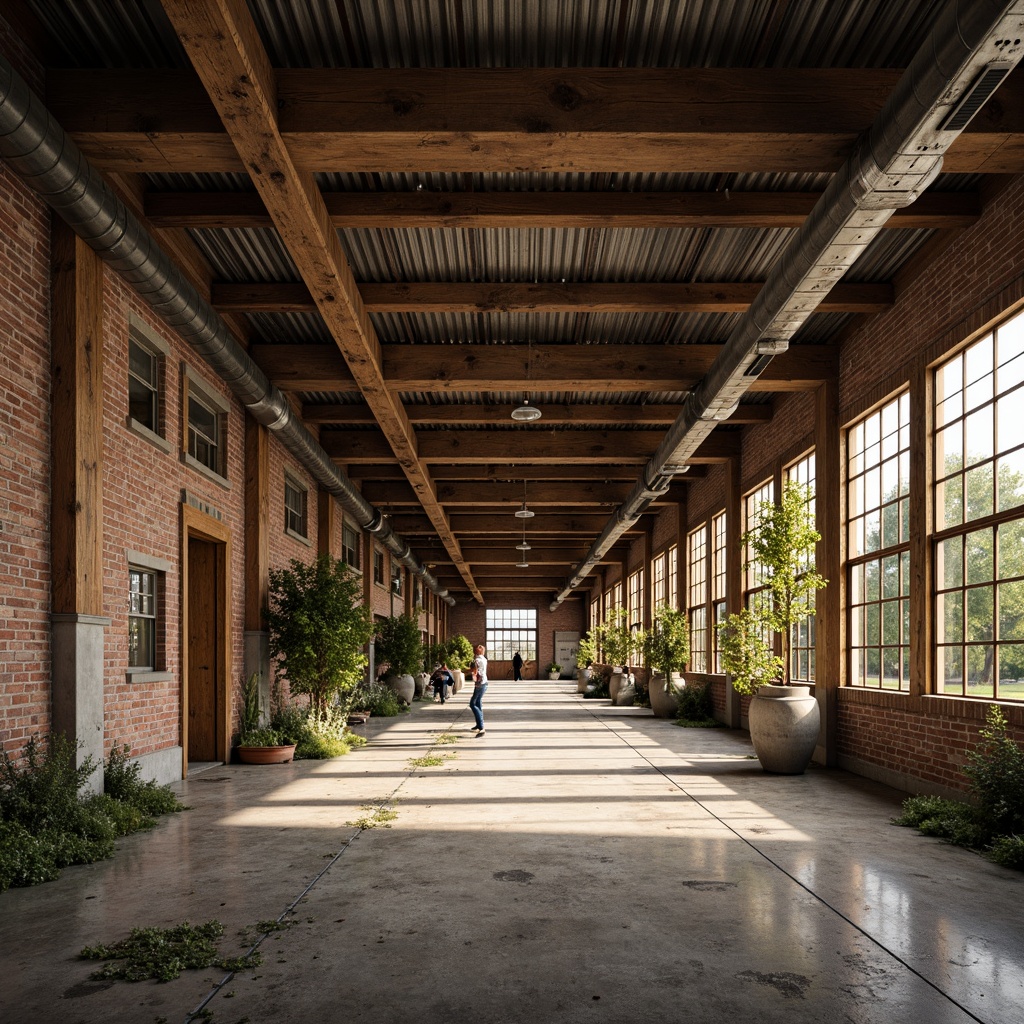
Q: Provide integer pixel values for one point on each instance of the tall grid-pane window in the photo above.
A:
(979, 517)
(143, 385)
(141, 618)
(753, 574)
(350, 546)
(615, 598)
(510, 630)
(672, 576)
(659, 582)
(295, 504)
(595, 613)
(697, 596)
(719, 576)
(803, 640)
(636, 598)
(205, 442)
(378, 566)
(878, 545)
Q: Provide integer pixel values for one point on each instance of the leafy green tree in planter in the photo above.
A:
(398, 645)
(618, 642)
(460, 652)
(667, 643)
(780, 544)
(319, 629)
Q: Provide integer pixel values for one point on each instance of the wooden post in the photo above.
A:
(922, 515)
(76, 512)
(830, 616)
(733, 571)
(326, 507)
(257, 552)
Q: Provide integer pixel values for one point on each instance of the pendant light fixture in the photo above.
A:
(523, 512)
(523, 562)
(526, 413)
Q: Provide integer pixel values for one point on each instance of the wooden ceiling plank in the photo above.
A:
(589, 297)
(225, 49)
(591, 369)
(429, 210)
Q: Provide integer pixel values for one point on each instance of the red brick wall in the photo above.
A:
(24, 464)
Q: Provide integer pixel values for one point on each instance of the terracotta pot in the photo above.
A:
(784, 722)
(266, 755)
(663, 703)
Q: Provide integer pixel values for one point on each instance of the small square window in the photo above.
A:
(295, 506)
(142, 614)
(350, 546)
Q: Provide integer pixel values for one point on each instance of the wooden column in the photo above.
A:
(76, 513)
(733, 571)
(257, 551)
(326, 508)
(648, 612)
(830, 616)
(371, 667)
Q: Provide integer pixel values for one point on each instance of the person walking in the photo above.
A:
(517, 667)
(479, 689)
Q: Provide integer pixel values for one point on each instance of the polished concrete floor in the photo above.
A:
(578, 863)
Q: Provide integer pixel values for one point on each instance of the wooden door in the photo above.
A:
(203, 648)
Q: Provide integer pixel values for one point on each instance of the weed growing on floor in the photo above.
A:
(378, 815)
(430, 760)
(445, 738)
(994, 821)
(163, 953)
(45, 822)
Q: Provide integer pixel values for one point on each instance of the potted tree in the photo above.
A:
(460, 657)
(318, 632)
(784, 719)
(586, 655)
(618, 642)
(666, 651)
(398, 646)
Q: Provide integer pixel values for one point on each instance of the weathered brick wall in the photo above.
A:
(24, 464)
(142, 495)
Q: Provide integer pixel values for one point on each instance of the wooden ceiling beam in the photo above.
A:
(586, 297)
(224, 46)
(523, 447)
(500, 415)
(572, 526)
(516, 210)
(359, 472)
(590, 369)
(543, 551)
(672, 120)
(480, 495)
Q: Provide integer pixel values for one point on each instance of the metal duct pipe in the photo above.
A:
(38, 150)
(969, 51)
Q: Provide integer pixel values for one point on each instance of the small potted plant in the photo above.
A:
(554, 670)
(666, 652)
(258, 743)
(586, 655)
(784, 720)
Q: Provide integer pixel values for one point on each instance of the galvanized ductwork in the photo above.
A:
(969, 51)
(37, 149)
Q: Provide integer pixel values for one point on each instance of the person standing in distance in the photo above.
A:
(517, 667)
(479, 689)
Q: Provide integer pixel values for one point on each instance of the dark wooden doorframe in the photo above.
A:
(197, 526)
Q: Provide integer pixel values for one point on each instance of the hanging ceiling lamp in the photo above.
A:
(526, 413)
(523, 512)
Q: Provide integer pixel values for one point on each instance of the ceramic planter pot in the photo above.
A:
(617, 680)
(403, 686)
(553, 675)
(460, 679)
(266, 755)
(784, 722)
(663, 703)
(626, 695)
(583, 677)
(422, 680)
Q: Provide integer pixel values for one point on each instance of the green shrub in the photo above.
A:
(598, 687)
(1009, 852)
(954, 821)
(381, 701)
(43, 791)
(121, 782)
(694, 705)
(25, 859)
(996, 770)
(125, 817)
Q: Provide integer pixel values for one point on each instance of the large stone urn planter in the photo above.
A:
(784, 722)
(583, 677)
(421, 679)
(663, 702)
(403, 686)
(617, 680)
(626, 694)
(460, 679)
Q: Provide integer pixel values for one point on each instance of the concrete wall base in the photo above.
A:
(162, 766)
